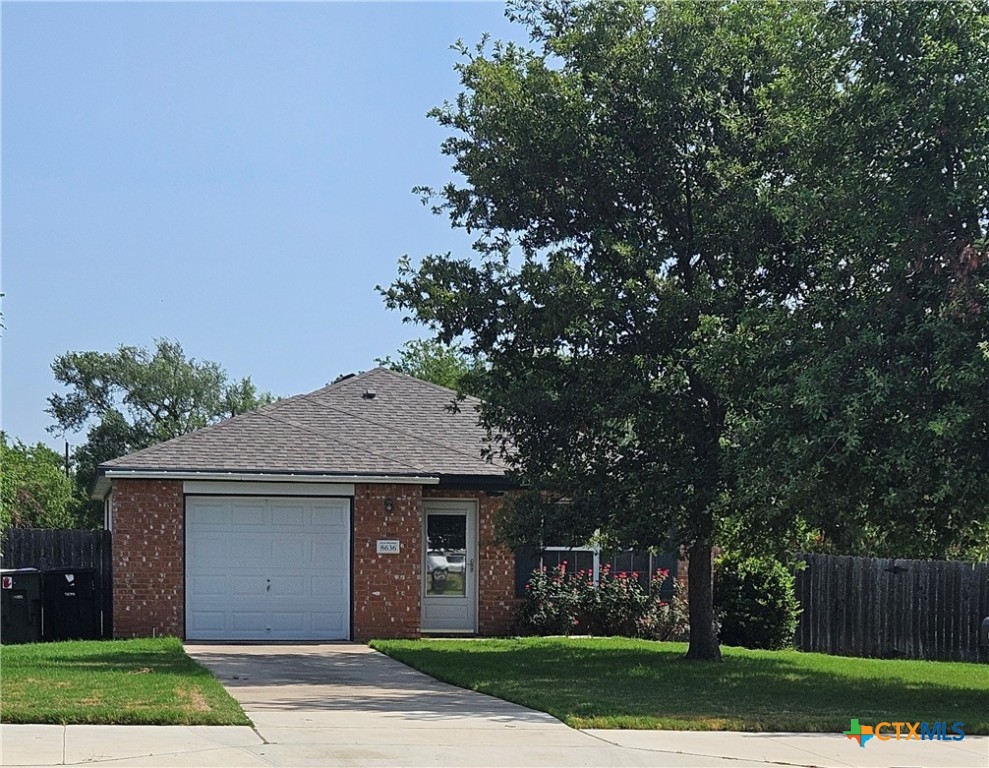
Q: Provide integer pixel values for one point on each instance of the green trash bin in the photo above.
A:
(20, 611)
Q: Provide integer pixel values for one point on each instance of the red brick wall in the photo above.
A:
(148, 558)
(387, 588)
(495, 565)
(149, 561)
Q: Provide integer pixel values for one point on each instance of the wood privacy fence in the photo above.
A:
(917, 609)
(57, 549)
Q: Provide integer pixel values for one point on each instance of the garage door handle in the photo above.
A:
(268, 588)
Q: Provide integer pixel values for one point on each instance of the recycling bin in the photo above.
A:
(20, 605)
(72, 605)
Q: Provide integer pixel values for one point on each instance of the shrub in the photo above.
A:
(551, 603)
(756, 602)
(560, 603)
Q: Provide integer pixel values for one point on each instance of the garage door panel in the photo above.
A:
(267, 569)
(329, 622)
(208, 545)
(249, 518)
(247, 621)
(330, 550)
(330, 517)
(289, 587)
(327, 585)
(245, 547)
(289, 623)
(208, 586)
(245, 585)
(287, 515)
(209, 621)
(292, 548)
(213, 515)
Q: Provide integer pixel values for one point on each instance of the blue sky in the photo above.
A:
(236, 177)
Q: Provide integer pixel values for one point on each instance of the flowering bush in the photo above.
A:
(558, 602)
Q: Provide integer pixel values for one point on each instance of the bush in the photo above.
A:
(756, 601)
(561, 603)
(551, 604)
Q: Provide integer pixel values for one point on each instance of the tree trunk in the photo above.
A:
(700, 598)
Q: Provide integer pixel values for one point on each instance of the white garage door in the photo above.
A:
(261, 568)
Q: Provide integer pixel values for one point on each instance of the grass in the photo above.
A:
(621, 683)
(128, 682)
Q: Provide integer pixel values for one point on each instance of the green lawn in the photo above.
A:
(620, 683)
(128, 682)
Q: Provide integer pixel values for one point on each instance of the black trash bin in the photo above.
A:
(20, 605)
(72, 605)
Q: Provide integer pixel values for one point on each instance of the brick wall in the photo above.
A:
(387, 588)
(495, 565)
(148, 558)
(149, 561)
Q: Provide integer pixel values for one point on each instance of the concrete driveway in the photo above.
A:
(346, 705)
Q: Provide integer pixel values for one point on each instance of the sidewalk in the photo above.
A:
(278, 740)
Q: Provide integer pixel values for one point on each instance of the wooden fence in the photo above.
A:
(917, 609)
(50, 549)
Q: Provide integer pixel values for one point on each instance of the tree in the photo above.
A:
(876, 424)
(657, 242)
(133, 398)
(35, 491)
(626, 253)
(429, 360)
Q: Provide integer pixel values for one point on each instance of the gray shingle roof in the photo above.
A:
(406, 429)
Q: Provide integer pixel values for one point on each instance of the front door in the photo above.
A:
(449, 581)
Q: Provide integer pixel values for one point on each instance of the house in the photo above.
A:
(363, 509)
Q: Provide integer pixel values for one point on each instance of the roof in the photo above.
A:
(408, 428)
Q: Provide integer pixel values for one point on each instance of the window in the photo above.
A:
(643, 563)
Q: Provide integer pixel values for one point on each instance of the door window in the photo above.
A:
(446, 555)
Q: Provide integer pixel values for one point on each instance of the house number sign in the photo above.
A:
(388, 546)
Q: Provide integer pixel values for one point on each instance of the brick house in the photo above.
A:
(361, 510)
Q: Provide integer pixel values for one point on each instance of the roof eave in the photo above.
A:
(104, 480)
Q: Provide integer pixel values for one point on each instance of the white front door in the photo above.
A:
(449, 581)
(267, 568)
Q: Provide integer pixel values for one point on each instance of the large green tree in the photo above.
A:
(875, 424)
(626, 250)
(134, 397)
(35, 489)
(661, 233)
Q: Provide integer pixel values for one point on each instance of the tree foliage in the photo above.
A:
(134, 397)
(873, 420)
(35, 490)
(164, 393)
(444, 364)
(699, 226)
